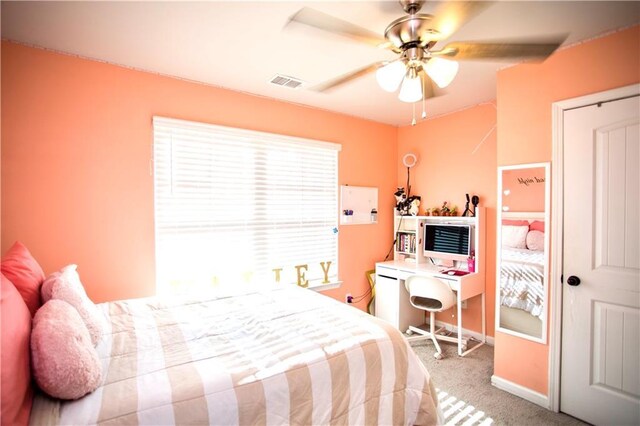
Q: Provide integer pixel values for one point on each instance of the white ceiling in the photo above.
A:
(242, 45)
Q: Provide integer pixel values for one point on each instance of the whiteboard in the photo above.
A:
(360, 200)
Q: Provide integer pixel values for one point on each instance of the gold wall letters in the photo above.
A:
(302, 281)
(326, 271)
(277, 271)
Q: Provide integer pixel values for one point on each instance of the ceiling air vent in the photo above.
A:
(286, 81)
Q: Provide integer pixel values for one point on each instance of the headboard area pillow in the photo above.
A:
(17, 393)
(65, 363)
(537, 225)
(25, 274)
(66, 285)
(514, 236)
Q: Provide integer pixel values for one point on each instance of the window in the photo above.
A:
(233, 205)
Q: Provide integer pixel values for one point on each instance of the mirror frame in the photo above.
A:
(547, 207)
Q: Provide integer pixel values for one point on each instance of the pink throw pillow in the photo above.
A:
(24, 272)
(65, 363)
(66, 285)
(535, 240)
(514, 236)
(17, 393)
(537, 225)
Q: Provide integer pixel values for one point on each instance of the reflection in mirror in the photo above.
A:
(522, 258)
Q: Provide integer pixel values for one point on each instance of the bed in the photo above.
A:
(281, 355)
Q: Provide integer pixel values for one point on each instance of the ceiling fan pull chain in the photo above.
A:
(424, 95)
(413, 122)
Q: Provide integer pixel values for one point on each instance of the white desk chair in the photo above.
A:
(432, 295)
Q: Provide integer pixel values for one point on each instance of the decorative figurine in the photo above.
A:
(401, 197)
(414, 205)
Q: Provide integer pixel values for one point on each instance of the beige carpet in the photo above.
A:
(467, 396)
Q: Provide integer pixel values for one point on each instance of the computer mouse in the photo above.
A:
(451, 273)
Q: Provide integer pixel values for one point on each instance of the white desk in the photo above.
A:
(392, 299)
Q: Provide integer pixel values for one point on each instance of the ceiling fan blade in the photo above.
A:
(473, 50)
(451, 15)
(338, 81)
(322, 21)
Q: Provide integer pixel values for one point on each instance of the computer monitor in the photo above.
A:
(447, 241)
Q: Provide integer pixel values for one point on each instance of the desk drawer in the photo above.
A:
(398, 274)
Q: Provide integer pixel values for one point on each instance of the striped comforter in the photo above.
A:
(280, 356)
(522, 280)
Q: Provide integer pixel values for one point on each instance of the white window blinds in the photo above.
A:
(233, 204)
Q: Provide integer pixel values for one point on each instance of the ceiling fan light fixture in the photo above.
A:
(411, 89)
(441, 71)
(390, 76)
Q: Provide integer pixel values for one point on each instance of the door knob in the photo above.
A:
(573, 280)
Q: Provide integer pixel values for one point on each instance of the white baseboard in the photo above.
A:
(465, 332)
(521, 391)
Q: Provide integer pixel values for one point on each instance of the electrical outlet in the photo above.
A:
(348, 298)
(463, 304)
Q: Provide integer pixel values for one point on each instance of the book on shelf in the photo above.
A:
(406, 242)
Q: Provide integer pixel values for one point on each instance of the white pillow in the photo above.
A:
(535, 240)
(514, 236)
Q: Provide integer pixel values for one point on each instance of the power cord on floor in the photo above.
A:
(360, 298)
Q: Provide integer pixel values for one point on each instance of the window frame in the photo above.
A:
(160, 126)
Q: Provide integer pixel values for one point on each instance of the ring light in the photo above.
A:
(409, 160)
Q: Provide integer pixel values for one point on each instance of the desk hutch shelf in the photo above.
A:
(409, 234)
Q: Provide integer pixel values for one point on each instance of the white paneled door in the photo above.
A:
(600, 369)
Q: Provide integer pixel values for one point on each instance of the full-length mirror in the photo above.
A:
(523, 250)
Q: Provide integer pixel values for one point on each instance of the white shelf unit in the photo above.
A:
(407, 238)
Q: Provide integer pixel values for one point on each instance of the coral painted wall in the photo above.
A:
(76, 150)
(457, 155)
(525, 94)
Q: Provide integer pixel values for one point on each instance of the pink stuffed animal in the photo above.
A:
(65, 363)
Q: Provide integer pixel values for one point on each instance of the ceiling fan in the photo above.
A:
(413, 38)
